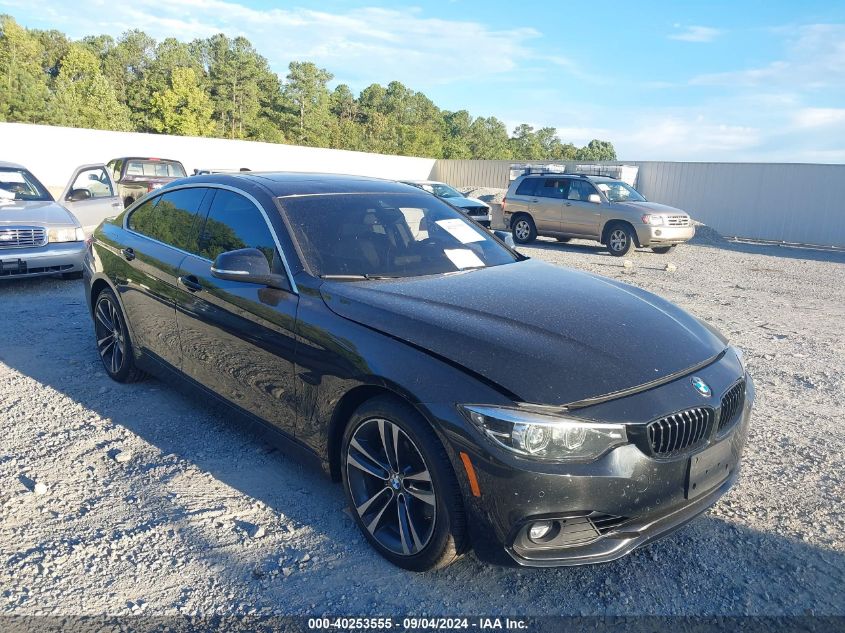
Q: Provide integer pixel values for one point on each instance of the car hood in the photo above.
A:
(466, 202)
(544, 333)
(38, 213)
(650, 207)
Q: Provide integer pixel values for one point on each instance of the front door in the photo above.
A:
(91, 196)
(581, 217)
(238, 338)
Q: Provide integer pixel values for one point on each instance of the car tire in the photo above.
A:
(76, 275)
(620, 239)
(662, 250)
(416, 522)
(112, 337)
(563, 240)
(523, 229)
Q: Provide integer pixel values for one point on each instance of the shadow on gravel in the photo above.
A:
(709, 567)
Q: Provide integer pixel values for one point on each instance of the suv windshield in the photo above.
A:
(388, 235)
(19, 184)
(618, 191)
(155, 168)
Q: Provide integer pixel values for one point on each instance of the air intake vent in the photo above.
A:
(732, 403)
(680, 432)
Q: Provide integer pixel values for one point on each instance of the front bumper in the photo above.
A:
(648, 235)
(50, 259)
(627, 498)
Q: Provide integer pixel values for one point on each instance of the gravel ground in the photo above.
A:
(138, 499)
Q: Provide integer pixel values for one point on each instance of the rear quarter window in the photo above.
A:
(527, 187)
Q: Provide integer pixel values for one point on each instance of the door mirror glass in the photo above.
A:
(247, 265)
(594, 198)
(78, 195)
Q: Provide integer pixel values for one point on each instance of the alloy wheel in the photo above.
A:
(522, 230)
(391, 486)
(618, 240)
(111, 339)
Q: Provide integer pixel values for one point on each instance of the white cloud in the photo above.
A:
(819, 117)
(360, 45)
(695, 34)
(814, 58)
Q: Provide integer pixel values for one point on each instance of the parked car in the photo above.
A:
(463, 394)
(592, 207)
(136, 177)
(473, 207)
(39, 236)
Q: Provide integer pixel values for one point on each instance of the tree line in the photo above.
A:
(223, 87)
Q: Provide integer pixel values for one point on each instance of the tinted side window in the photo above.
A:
(234, 222)
(169, 218)
(552, 188)
(527, 187)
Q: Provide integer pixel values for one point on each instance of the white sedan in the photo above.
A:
(474, 208)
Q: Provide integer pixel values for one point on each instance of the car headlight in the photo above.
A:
(66, 235)
(545, 437)
(653, 220)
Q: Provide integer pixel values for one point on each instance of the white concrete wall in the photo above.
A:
(799, 203)
(51, 153)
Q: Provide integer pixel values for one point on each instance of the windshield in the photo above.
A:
(155, 168)
(445, 191)
(388, 235)
(19, 184)
(617, 191)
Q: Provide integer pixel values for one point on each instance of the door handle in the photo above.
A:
(535, 200)
(128, 253)
(190, 282)
(568, 204)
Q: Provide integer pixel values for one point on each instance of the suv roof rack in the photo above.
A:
(586, 175)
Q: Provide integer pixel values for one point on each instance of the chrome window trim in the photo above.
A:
(229, 272)
(163, 191)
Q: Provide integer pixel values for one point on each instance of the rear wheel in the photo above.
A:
(662, 250)
(113, 344)
(524, 230)
(400, 486)
(620, 239)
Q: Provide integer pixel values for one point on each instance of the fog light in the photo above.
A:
(658, 232)
(539, 529)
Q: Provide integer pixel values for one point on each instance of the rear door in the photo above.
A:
(162, 231)
(581, 217)
(238, 338)
(548, 212)
(91, 195)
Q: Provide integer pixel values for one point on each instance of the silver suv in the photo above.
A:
(599, 208)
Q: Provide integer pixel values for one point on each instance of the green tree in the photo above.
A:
(597, 150)
(306, 91)
(183, 108)
(525, 144)
(83, 97)
(24, 83)
(488, 139)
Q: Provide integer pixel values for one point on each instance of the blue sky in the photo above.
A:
(699, 81)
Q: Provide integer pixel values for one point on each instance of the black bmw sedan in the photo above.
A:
(465, 395)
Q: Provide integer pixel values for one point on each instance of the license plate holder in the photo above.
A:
(708, 469)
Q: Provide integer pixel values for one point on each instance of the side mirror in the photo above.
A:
(248, 265)
(506, 237)
(594, 198)
(78, 195)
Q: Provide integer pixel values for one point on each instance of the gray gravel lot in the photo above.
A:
(173, 522)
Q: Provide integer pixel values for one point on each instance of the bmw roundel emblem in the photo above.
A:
(701, 387)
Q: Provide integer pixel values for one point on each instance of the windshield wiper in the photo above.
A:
(355, 277)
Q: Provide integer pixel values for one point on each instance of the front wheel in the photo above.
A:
(401, 487)
(620, 239)
(662, 250)
(524, 230)
(113, 344)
